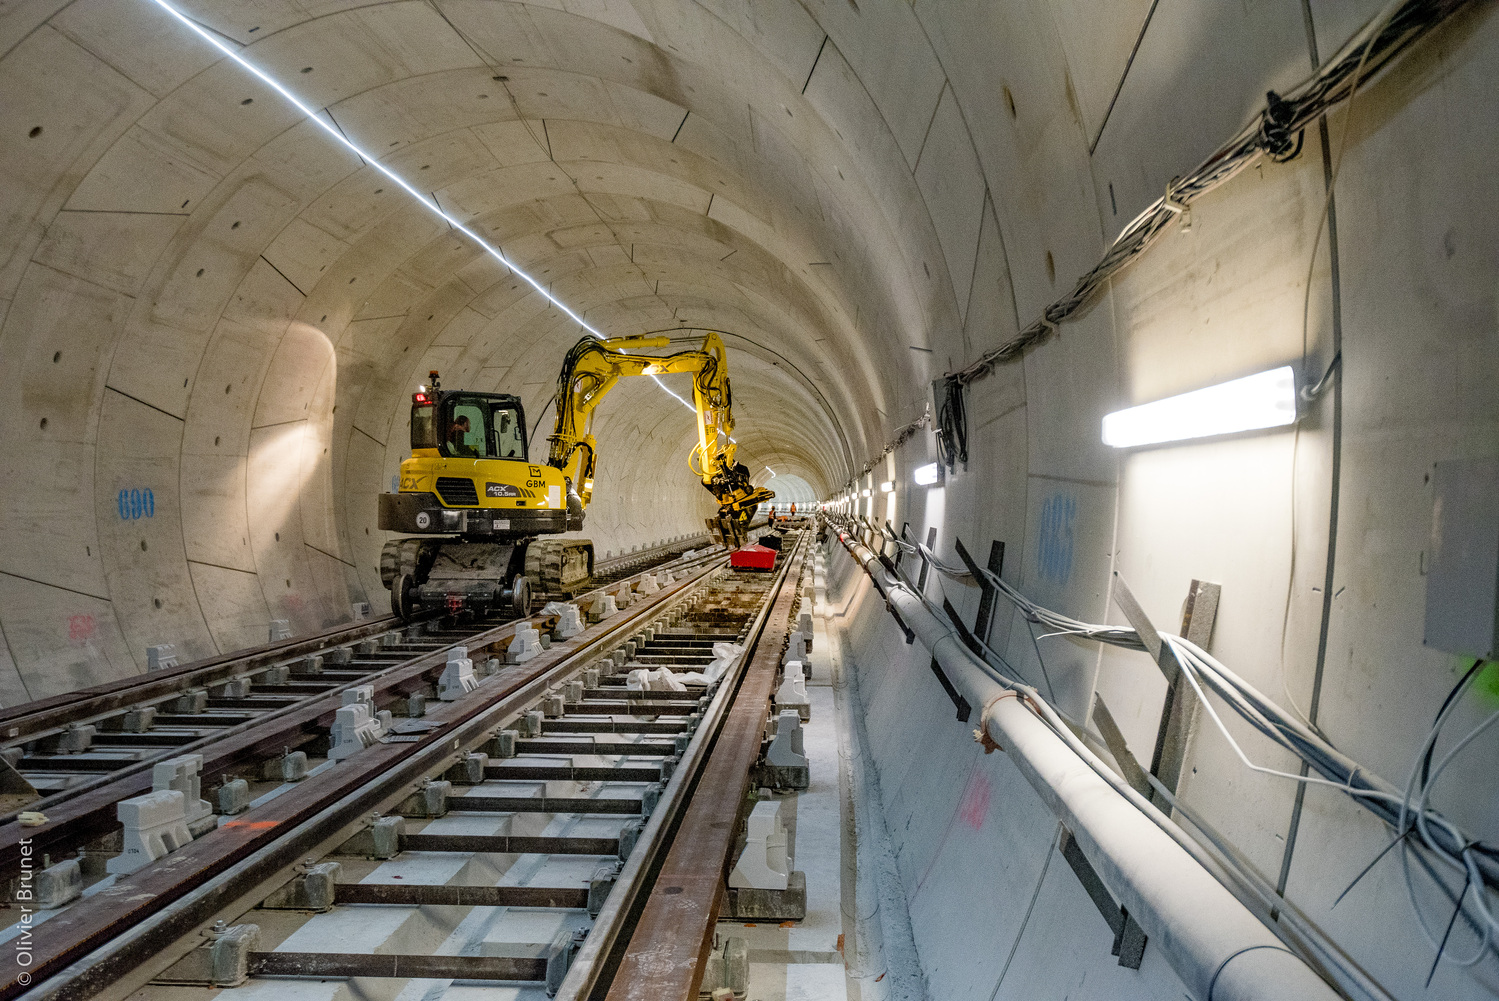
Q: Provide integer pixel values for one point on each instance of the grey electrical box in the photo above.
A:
(1462, 574)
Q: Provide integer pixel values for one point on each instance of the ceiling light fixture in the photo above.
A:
(928, 474)
(1263, 400)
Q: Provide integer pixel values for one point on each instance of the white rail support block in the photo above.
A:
(360, 695)
(793, 691)
(786, 750)
(354, 729)
(280, 630)
(458, 677)
(184, 774)
(155, 826)
(569, 619)
(161, 656)
(763, 865)
(603, 607)
(796, 648)
(524, 646)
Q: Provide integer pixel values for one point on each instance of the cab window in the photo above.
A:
(509, 434)
(423, 427)
(468, 431)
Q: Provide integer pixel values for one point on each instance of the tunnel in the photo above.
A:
(1067, 326)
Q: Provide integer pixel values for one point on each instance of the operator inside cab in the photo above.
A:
(458, 444)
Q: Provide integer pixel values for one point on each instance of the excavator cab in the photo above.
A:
(473, 506)
(469, 425)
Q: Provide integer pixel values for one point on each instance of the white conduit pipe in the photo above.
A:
(1221, 951)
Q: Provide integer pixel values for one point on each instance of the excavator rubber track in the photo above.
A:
(559, 567)
(407, 556)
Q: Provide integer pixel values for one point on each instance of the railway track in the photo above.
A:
(259, 713)
(512, 835)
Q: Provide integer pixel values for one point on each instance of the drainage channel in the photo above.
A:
(505, 819)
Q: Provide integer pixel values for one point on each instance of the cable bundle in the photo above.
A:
(1360, 59)
(1406, 811)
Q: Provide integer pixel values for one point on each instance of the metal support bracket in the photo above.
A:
(926, 563)
(1179, 710)
(985, 617)
(959, 703)
(1129, 937)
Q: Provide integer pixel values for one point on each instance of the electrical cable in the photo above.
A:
(902, 435)
(1477, 862)
(952, 426)
(1442, 711)
(1368, 52)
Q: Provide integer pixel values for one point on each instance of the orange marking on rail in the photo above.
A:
(254, 825)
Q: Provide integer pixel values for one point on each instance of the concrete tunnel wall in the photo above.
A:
(202, 296)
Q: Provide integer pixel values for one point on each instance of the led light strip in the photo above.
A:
(657, 380)
(674, 396)
(427, 203)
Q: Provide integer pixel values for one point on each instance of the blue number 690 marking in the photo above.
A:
(136, 503)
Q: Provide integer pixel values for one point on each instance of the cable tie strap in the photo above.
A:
(981, 735)
(1171, 204)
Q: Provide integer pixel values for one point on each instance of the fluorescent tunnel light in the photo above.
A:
(1265, 400)
(928, 474)
(887, 487)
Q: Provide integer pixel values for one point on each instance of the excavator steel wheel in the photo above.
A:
(520, 596)
(402, 595)
(559, 567)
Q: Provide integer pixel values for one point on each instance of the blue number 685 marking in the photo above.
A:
(136, 503)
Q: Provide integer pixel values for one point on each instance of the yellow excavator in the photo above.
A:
(474, 505)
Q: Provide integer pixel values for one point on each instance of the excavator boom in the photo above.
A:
(592, 368)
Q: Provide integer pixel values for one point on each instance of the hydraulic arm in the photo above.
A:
(593, 367)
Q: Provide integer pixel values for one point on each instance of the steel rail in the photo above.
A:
(83, 950)
(33, 720)
(596, 960)
(673, 935)
(87, 810)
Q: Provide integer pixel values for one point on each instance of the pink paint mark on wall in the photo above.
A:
(81, 628)
(975, 805)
